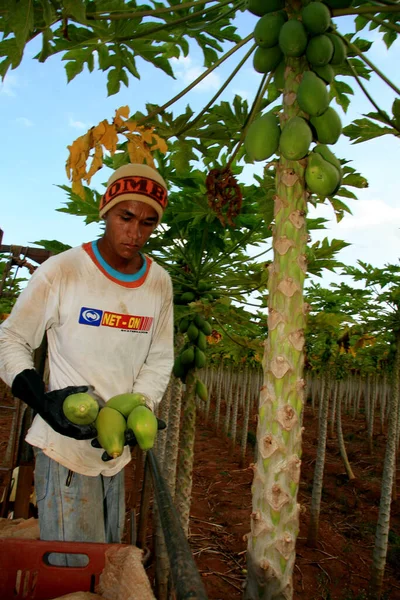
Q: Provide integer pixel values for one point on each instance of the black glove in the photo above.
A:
(28, 386)
(130, 439)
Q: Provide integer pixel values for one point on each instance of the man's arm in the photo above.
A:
(23, 331)
(155, 373)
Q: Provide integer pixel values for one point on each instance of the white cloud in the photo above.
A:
(24, 121)
(187, 71)
(373, 230)
(8, 85)
(77, 124)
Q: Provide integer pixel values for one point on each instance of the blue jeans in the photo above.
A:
(83, 509)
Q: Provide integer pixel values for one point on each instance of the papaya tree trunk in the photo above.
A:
(383, 524)
(184, 479)
(342, 446)
(235, 409)
(228, 401)
(336, 398)
(218, 398)
(316, 494)
(246, 415)
(275, 516)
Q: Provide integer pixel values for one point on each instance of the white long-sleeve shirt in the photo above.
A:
(104, 328)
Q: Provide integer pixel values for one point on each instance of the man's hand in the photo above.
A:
(130, 439)
(28, 386)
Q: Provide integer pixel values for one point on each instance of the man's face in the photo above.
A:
(129, 225)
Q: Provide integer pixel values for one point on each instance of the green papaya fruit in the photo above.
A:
(188, 297)
(206, 328)
(312, 94)
(262, 7)
(316, 17)
(293, 38)
(80, 409)
(187, 356)
(143, 423)
(201, 341)
(319, 50)
(327, 126)
(339, 49)
(199, 320)
(266, 31)
(279, 75)
(125, 403)
(326, 72)
(192, 332)
(183, 325)
(266, 59)
(199, 358)
(262, 138)
(322, 178)
(328, 155)
(295, 139)
(178, 369)
(111, 426)
(201, 390)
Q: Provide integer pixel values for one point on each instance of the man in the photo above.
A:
(107, 311)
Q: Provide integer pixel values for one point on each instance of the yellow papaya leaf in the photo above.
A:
(96, 164)
(121, 112)
(110, 138)
(138, 150)
(142, 142)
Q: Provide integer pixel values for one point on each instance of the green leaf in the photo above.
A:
(76, 9)
(48, 12)
(339, 207)
(396, 112)
(355, 180)
(46, 51)
(21, 21)
(339, 90)
(113, 81)
(362, 130)
(73, 68)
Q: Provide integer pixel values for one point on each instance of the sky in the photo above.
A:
(41, 114)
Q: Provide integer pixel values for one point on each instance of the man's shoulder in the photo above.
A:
(64, 258)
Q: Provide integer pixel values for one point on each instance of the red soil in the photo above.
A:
(339, 569)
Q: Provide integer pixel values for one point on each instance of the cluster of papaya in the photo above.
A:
(121, 412)
(202, 291)
(309, 33)
(192, 354)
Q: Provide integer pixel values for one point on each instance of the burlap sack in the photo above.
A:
(19, 528)
(79, 596)
(123, 576)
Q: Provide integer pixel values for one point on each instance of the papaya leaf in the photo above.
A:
(76, 9)
(362, 130)
(339, 90)
(88, 208)
(48, 12)
(73, 68)
(357, 64)
(53, 245)
(21, 21)
(339, 208)
(355, 180)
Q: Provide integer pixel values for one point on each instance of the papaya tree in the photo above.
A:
(299, 52)
(385, 285)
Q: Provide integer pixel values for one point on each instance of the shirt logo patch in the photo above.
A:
(97, 318)
(90, 316)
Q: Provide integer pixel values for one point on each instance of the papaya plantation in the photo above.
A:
(240, 251)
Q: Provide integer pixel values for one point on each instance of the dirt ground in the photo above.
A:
(339, 569)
